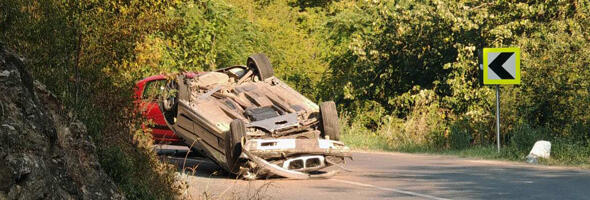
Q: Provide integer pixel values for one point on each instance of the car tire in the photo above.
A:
(233, 145)
(261, 64)
(170, 102)
(329, 120)
(169, 105)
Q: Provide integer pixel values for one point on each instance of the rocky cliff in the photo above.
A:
(45, 153)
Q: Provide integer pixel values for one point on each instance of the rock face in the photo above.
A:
(44, 152)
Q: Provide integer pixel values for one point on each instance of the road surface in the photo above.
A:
(402, 176)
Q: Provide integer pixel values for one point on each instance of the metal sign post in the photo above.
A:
(498, 116)
(500, 66)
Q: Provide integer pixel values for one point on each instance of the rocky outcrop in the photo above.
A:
(45, 153)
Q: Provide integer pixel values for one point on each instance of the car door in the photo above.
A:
(150, 109)
(149, 101)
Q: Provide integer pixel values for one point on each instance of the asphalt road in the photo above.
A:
(401, 176)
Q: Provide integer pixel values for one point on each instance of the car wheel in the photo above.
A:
(233, 145)
(261, 64)
(329, 120)
(169, 103)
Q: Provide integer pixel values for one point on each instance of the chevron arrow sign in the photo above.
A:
(501, 66)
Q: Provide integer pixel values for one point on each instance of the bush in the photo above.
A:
(578, 133)
(427, 123)
(116, 164)
(356, 135)
(567, 151)
(460, 135)
(424, 128)
(368, 113)
(378, 57)
(524, 137)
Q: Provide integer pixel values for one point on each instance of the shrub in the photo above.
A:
(356, 135)
(524, 137)
(427, 123)
(567, 151)
(460, 135)
(368, 113)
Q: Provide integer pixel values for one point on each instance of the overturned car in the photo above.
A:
(252, 124)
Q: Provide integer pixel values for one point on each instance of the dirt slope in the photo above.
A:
(44, 152)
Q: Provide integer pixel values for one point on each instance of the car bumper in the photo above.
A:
(274, 148)
(291, 158)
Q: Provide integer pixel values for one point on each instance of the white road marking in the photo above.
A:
(390, 189)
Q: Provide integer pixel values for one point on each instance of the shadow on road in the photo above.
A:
(191, 164)
(456, 178)
(384, 176)
(504, 182)
(198, 166)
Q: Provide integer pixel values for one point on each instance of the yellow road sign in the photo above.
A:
(501, 66)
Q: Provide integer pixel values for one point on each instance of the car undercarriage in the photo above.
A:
(252, 124)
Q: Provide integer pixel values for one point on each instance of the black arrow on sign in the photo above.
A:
(496, 66)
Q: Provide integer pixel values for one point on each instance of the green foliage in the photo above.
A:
(460, 135)
(424, 129)
(381, 56)
(75, 48)
(129, 170)
(90, 53)
(357, 136)
(293, 39)
(372, 116)
(524, 137)
(427, 123)
(385, 51)
(564, 151)
(117, 165)
(404, 72)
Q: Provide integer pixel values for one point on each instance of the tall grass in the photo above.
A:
(428, 132)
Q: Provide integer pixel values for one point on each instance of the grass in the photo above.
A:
(563, 154)
(367, 142)
(479, 152)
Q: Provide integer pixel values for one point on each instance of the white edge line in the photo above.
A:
(390, 189)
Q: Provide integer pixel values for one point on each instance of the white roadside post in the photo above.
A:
(541, 149)
(501, 66)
